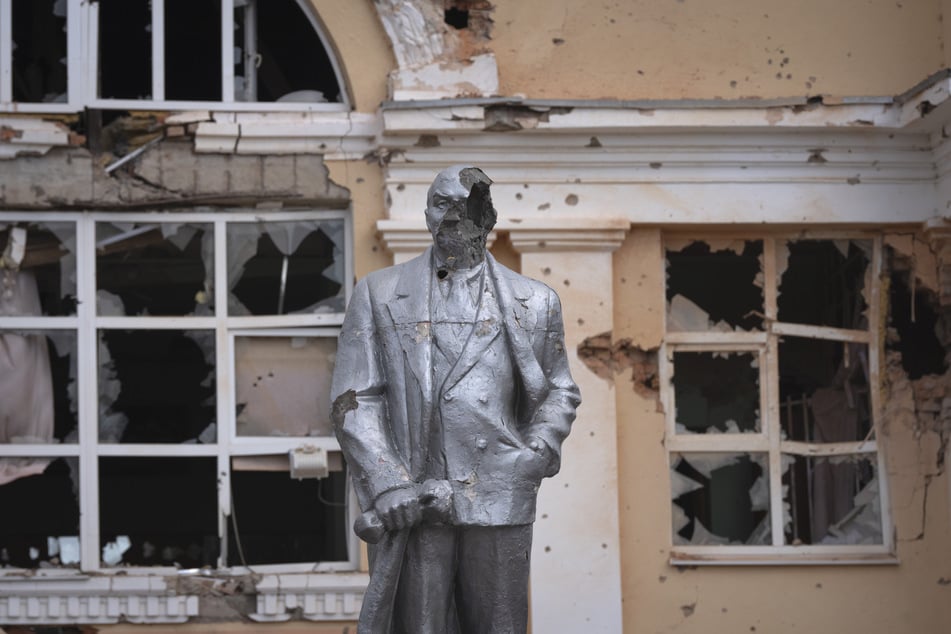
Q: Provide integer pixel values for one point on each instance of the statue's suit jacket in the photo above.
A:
(510, 385)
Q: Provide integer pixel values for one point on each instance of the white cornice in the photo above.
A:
(336, 135)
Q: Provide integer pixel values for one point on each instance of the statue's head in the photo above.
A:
(460, 215)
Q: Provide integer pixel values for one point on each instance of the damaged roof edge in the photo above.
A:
(926, 107)
(677, 104)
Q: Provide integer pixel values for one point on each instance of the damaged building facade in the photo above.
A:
(744, 209)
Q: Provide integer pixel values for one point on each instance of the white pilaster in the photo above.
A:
(576, 567)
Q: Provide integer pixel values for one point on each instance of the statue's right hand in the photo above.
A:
(399, 508)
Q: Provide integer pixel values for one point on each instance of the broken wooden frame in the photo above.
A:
(773, 542)
(221, 447)
(84, 66)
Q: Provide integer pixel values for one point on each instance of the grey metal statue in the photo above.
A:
(452, 398)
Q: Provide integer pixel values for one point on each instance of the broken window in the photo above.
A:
(158, 511)
(773, 338)
(717, 392)
(278, 268)
(714, 286)
(833, 500)
(282, 385)
(154, 268)
(37, 268)
(38, 535)
(277, 519)
(720, 498)
(188, 403)
(156, 386)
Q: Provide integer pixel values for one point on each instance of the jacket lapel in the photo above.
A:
(409, 309)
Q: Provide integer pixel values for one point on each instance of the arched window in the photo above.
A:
(167, 54)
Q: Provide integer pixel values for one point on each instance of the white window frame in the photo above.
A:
(768, 440)
(228, 445)
(82, 32)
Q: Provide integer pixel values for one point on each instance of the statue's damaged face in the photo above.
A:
(460, 214)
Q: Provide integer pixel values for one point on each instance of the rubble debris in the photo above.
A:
(725, 507)
(606, 359)
(282, 385)
(823, 283)
(717, 278)
(716, 392)
(508, 118)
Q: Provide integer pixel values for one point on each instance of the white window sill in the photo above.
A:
(813, 558)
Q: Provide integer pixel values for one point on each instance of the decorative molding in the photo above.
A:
(51, 608)
(410, 237)
(317, 597)
(337, 136)
(569, 234)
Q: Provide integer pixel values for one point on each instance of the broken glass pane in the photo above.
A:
(277, 268)
(281, 520)
(824, 390)
(715, 286)
(193, 50)
(38, 396)
(125, 49)
(716, 392)
(833, 500)
(154, 269)
(157, 386)
(40, 526)
(39, 50)
(38, 269)
(158, 512)
(822, 282)
(282, 385)
(720, 498)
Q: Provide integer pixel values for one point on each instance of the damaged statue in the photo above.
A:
(452, 398)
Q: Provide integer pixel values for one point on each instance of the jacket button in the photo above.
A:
(448, 396)
(481, 443)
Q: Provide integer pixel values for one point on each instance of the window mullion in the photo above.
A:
(224, 389)
(874, 301)
(74, 53)
(771, 422)
(87, 377)
(158, 50)
(227, 51)
(6, 51)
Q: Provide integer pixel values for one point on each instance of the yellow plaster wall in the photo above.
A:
(365, 182)
(913, 596)
(362, 48)
(677, 49)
